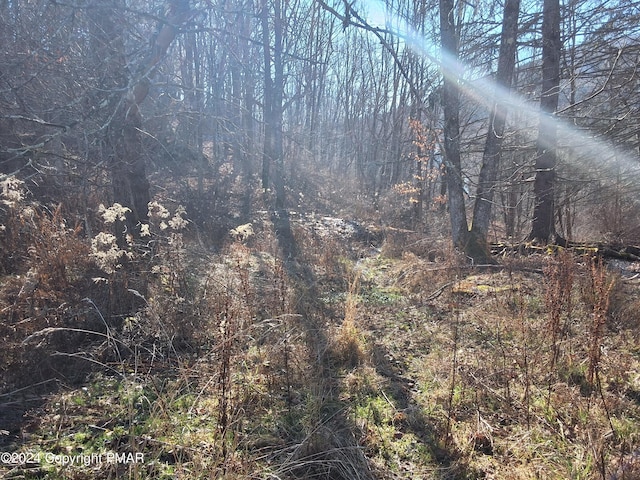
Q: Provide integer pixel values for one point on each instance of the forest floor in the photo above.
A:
(307, 348)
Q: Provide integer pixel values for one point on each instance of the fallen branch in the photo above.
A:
(621, 252)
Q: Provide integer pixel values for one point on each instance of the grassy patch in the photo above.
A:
(398, 371)
(384, 433)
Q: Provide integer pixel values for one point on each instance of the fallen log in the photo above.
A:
(629, 253)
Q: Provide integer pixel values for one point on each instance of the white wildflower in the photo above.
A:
(178, 222)
(105, 252)
(12, 190)
(144, 230)
(113, 213)
(242, 232)
(157, 210)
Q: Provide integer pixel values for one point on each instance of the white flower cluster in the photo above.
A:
(113, 213)
(158, 211)
(178, 222)
(105, 252)
(242, 232)
(160, 214)
(144, 230)
(12, 190)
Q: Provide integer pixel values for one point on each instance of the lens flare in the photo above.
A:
(579, 146)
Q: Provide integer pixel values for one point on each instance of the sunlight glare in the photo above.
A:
(586, 150)
(377, 13)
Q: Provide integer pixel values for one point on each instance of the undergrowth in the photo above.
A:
(243, 364)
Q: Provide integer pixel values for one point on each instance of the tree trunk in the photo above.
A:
(451, 127)
(128, 171)
(543, 224)
(273, 104)
(495, 134)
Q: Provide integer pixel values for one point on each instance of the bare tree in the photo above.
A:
(273, 109)
(451, 129)
(543, 222)
(128, 170)
(497, 122)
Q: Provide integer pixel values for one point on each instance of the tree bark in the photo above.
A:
(451, 127)
(543, 224)
(497, 120)
(128, 170)
(477, 247)
(273, 152)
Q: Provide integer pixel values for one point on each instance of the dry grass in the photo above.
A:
(346, 343)
(245, 365)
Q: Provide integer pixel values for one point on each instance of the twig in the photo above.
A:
(438, 292)
(8, 394)
(88, 359)
(49, 330)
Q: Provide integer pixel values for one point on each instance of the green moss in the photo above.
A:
(386, 433)
(381, 296)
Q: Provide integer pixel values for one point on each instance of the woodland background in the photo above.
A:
(103, 102)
